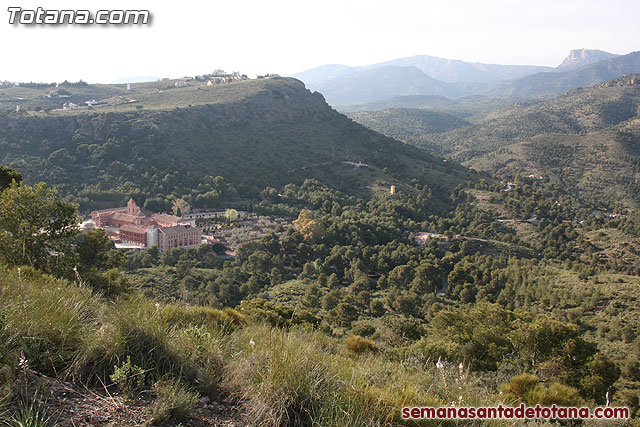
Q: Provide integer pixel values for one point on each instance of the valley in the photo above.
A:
(350, 265)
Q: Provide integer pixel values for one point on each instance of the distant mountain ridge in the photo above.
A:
(425, 75)
(444, 69)
(457, 71)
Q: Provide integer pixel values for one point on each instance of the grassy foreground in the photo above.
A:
(174, 356)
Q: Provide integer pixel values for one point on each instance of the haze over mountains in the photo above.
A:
(446, 70)
(345, 86)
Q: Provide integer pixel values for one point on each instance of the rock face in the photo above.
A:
(580, 57)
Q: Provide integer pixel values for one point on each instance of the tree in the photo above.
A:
(344, 314)
(7, 175)
(231, 215)
(95, 249)
(331, 299)
(427, 278)
(36, 228)
(401, 276)
(180, 207)
(310, 228)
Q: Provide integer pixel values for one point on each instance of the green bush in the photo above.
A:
(201, 350)
(132, 328)
(128, 377)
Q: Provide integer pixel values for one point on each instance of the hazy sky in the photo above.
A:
(287, 36)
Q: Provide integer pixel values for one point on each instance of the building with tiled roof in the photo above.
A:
(139, 226)
(165, 220)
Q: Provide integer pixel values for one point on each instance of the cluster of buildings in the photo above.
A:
(217, 77)
(135, 225)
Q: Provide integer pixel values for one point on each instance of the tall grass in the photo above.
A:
(173, 340)
(279, 377)
(290, 378)
(43, 318)
(30, 412)
(174, 402)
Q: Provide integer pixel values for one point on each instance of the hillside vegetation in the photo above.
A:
(410, 124)
(585, 139)
(340, 321)
(254, 134)
(326, 298)
(474, 109)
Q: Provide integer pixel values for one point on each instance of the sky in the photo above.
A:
(288, 36)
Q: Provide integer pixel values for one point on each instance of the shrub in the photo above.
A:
(519, 386)
(554, 393)
(359, 345)
(129, 377)
(284, 380)
(201, 350)
(363, 328)
(165, 341)
(528, 389)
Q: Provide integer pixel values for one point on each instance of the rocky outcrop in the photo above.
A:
(580, 57)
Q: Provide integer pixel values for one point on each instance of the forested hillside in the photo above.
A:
(253, 134)
(408, 124)
(585, 139)
(332, 299)
(330, 314)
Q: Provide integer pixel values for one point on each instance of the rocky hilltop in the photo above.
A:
(580, 57)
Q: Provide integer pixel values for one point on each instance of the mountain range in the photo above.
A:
(345, 86)
(446, 70)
